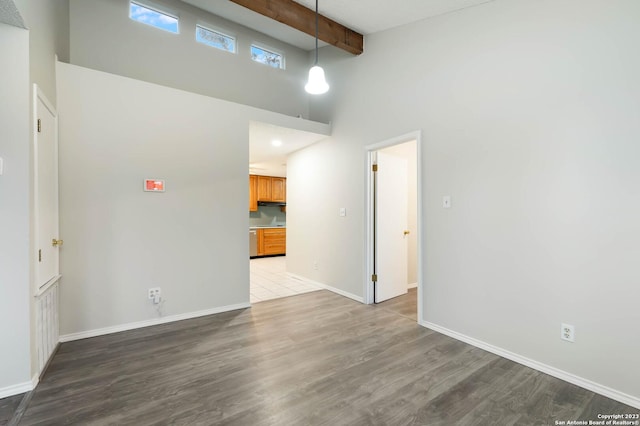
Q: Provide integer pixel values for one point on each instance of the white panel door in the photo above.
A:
(46, 189)
(391, 224)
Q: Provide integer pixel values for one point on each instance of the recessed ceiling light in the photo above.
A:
(276, 142)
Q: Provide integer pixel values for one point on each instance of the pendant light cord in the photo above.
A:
(316, 32)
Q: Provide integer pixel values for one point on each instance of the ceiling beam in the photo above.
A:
(299, 17)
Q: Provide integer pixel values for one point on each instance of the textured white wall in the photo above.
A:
(14, 209)
(119, 241)
(103, 37)
(528, 112)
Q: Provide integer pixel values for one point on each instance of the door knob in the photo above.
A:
(56, 243)
(406, 232)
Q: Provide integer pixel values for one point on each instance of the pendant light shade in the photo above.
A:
(317, 84)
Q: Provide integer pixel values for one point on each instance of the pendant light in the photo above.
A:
(316, 85)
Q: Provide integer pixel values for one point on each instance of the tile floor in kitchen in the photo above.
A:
(269, 280)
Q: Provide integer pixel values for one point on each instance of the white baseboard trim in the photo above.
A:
(412, 285)
(148, 323)
(18, 389)
(544, 368)
(328, 287)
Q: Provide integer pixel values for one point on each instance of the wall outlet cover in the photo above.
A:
(568, 332)
(153, 292)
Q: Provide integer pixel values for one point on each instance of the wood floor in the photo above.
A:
(8, 407)
(405, 305)
(312, 359)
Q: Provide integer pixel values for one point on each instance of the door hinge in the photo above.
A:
(374, 168)
(374, 278)
(39, 255)
(39, 125)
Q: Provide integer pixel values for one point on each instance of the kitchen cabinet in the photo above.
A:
(266, 188)
(253, 193)
(279, 189)
(272, 241)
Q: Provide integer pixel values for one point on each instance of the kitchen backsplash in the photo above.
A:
(267, 215)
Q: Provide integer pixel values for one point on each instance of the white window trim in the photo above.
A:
(156, 8)
(215, 29)
(269, 49)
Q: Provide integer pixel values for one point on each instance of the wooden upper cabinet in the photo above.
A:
(279, 189)
(264, 188)
(253, 193)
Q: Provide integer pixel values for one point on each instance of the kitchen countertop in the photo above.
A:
(267, 226)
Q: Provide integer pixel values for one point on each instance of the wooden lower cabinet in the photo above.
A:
(272, 241)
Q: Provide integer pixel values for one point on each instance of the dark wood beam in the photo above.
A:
(299, 17)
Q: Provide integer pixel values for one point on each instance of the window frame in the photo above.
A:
(216, 30)
(157, 9)
(269, 49)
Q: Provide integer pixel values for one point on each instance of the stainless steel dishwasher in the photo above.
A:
(253, 243)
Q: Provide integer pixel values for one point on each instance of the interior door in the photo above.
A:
(391, 223)
(46, 190)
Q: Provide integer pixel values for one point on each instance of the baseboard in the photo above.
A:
(18, 389)
(412, 285)
(328, 287)
(148, 323)
(544, 368)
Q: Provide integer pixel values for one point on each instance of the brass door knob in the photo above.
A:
(406, 232)
(56, 243)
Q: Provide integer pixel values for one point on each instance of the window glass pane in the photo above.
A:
(154, 18)
(215, 39)
(266, 57)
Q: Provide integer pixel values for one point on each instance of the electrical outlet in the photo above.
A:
(153, 292)
(315, 264)
(568, 333)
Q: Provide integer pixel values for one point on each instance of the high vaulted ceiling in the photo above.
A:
(363, 16)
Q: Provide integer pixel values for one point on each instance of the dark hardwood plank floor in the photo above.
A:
(8, 407)
(312, 359)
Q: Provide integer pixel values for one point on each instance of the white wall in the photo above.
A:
(103, 37)
(529, 119)
(14, 211)
(48, 24)
(322, 179)
(119, 241)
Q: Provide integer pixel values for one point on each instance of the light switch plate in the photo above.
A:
(343, 211)
(446, 202)
(1, 166)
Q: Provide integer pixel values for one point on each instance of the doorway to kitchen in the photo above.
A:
(393, 225)
(269, 148)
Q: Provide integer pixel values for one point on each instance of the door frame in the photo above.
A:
(370, 154)
(38, 94)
